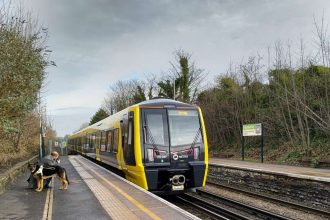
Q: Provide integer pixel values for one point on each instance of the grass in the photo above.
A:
(286, 153)
(9, 157)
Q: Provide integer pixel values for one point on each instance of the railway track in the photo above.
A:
(220, 207)
(278, 201)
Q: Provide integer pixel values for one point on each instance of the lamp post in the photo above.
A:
(40, 126)
(42, 131)
(174, 89)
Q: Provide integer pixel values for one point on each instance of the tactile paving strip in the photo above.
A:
(114, 207)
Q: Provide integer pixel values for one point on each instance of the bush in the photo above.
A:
(23, 59)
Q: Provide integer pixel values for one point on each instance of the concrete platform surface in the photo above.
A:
(93, 193)
(292, 171)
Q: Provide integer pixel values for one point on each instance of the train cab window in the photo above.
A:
(155, 129)
(184, 127)
(115, 140)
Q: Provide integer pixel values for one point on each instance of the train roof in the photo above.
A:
(165, 103)
(158, 102)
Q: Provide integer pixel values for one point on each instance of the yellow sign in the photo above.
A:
(182, 113)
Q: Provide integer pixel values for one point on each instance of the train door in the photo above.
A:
(127, 129)
(155, 137)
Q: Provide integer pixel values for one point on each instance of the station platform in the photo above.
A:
(291, 171)
(93, 193)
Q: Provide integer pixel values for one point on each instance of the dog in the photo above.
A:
(48, 172)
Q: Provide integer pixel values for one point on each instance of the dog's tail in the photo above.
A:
(66, 176)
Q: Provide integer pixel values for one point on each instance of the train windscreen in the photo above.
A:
(184, 127)
(171, 135)
(156, 133)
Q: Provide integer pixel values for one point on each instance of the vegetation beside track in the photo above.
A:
(285, 90)
(23, 60)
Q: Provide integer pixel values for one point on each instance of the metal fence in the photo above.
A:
(56, 145)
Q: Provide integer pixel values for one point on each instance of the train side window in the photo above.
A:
(91, 137)
(98, 139)
(93, 141)
(88, 141)
(115, 140)
(103, 140)
(109, 141)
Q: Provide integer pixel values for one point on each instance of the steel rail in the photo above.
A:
(245, 208)
(210, 209)
(280, 201)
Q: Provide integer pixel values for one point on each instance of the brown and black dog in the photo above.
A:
(48, 172)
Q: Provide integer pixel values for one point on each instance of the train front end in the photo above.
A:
(174, 145)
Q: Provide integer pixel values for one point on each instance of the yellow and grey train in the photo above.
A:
(159, 144)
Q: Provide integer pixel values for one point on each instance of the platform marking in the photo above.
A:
(51, 199)
(48, 208)
(128, 197)
(295, 175)
(119, 190)
(176, 208)
(112, 205)
(45, 213)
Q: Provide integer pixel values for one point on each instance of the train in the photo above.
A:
(158, 144)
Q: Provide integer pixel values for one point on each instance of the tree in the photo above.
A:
(23, 59)
(139, 95)
(166, 89)
(124, 94)
(187, 77)
(98, 116)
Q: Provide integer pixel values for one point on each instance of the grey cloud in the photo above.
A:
(97, 42)
(71, 108)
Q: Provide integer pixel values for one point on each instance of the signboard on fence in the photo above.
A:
(63, 144)
(252, 130)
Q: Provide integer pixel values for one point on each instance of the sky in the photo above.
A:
(98, 42)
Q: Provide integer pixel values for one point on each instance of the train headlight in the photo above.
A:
(151, 157)
(196, 153)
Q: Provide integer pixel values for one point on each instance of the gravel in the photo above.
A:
(266, 205)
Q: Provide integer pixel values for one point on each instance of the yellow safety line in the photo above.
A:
(45, 213)
(51, 199)
(48, 208)
(128, 197)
